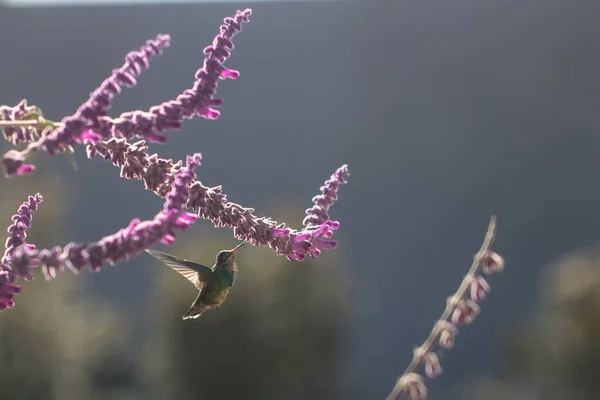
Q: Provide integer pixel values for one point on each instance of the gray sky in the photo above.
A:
(34, 3)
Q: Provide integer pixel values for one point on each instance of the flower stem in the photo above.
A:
(429, 343)
(29, 123)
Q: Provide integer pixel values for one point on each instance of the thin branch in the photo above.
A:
(31, 123)
(427, 347)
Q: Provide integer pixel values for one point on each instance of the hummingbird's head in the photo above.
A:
(226, 256)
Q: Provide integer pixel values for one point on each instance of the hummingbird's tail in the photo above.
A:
(195, 311)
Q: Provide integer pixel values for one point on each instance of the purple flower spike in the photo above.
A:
(127, 242)
(75, 128)
(317, 222)
(181, 192)
(318, 214)
(199, 100)
(212, 204)
(21, 221)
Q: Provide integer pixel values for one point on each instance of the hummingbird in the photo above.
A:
(213, 284)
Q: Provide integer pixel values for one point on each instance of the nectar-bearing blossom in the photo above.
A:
(21, 221)
(130, 241)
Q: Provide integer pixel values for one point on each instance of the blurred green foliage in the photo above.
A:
(60, 344)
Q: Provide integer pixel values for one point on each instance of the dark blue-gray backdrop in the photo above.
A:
(445, 111)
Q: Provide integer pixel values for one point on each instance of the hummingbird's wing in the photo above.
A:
(196, 273)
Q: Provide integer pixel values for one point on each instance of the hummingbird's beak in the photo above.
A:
(237, 247)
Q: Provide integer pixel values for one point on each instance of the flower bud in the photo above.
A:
(492, 263)
(465, 311)
(478, 286)
(433, 368)
(413, 384)
(448, 333)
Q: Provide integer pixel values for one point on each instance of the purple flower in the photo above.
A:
(21, 221)
(311, 241)
(127, 242)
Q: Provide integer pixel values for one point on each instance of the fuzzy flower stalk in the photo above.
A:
(461, 308)
(124, 244)
(18, 232)
(212, 204)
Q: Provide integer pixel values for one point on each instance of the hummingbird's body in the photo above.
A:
(213, 284)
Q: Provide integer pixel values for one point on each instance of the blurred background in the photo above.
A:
(446, 112)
